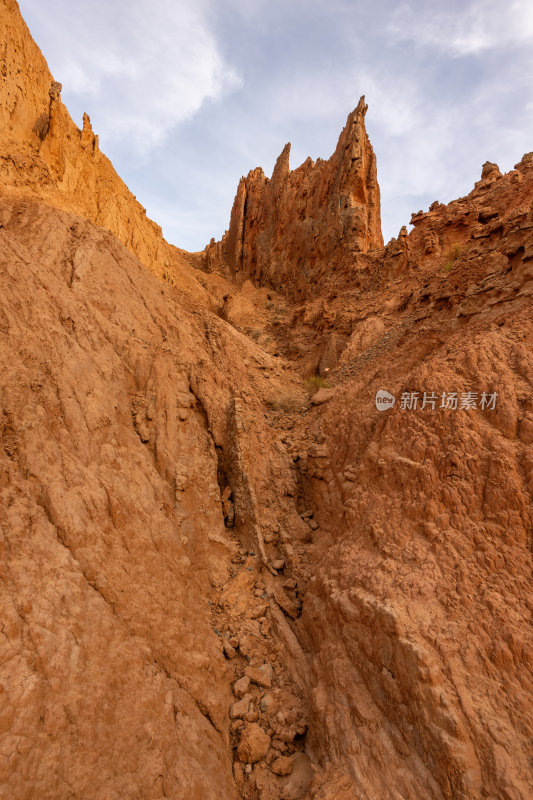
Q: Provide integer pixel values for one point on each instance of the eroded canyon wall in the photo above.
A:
(216, 583)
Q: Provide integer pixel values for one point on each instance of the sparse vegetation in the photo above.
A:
(452, 254)
(167, 277)
(316, 382)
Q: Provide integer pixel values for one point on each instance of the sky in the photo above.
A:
(188, 95)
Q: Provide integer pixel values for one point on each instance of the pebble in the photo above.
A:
(254, 744)
(246, 646)
(241, 686)
(313, 524)
(282, 765)
(241, 707)
(260, 675)
(258, 611)
(229, 651)
(278, 564)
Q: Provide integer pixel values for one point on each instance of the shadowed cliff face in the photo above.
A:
(215, 581)
(301, 225)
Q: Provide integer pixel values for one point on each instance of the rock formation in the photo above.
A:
(303, 224)
(216, 583)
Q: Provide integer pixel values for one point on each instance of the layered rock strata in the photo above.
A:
(44, 153)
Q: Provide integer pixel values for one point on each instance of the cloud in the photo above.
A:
(469, 29)
(149, 66)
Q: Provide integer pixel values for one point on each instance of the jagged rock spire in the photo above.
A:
(287, 231)
(282, 168)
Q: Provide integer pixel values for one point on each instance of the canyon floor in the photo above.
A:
(225, 572)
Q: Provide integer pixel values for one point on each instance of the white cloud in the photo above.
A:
(144, 67)
(476, 27)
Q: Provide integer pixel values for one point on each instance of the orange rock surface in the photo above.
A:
(225, 572)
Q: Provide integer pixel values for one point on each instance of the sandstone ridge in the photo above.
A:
(44, 153)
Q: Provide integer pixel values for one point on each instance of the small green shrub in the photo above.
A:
(454, 252)
(316, 382)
